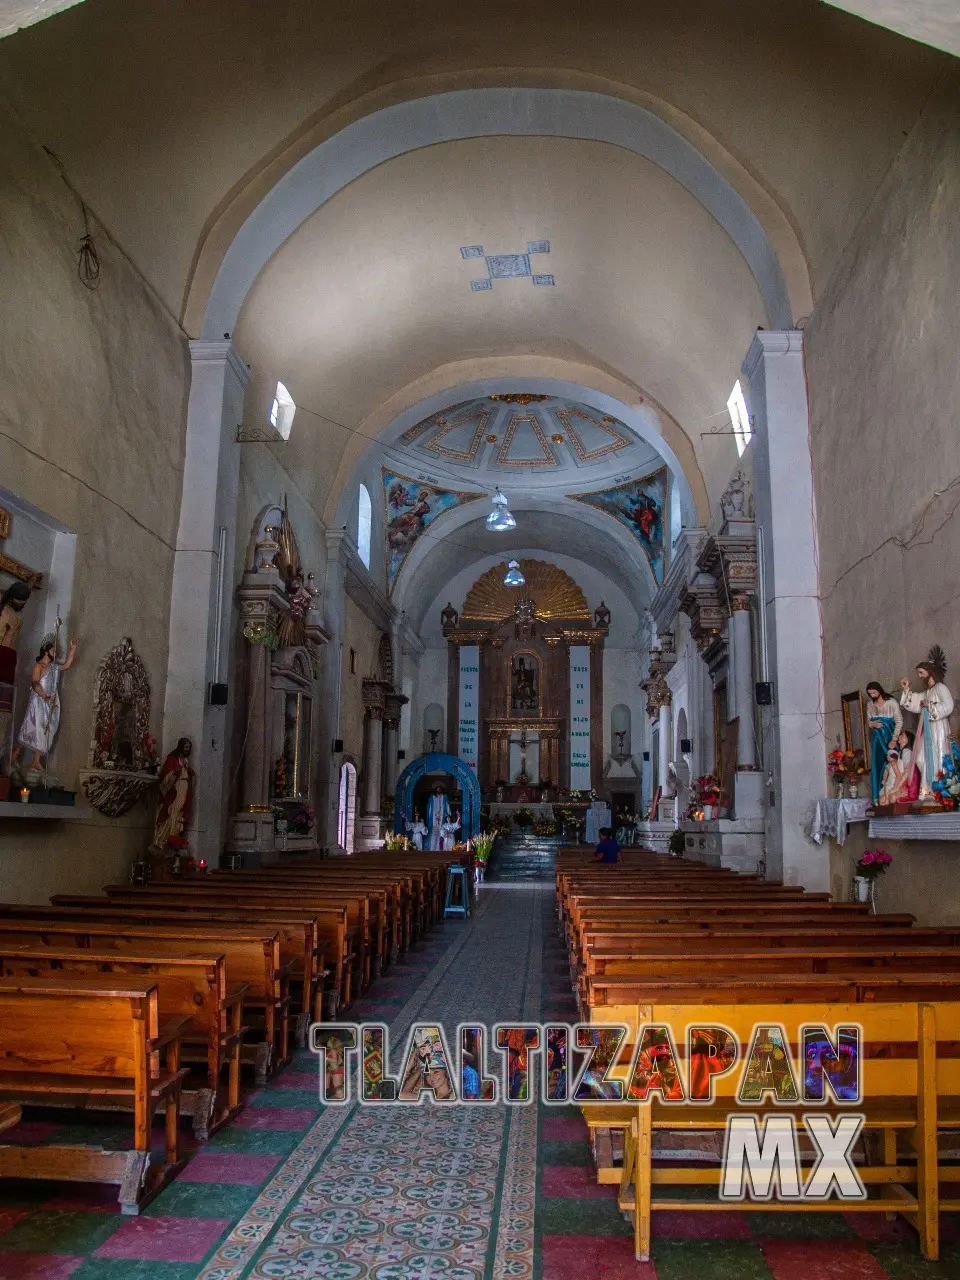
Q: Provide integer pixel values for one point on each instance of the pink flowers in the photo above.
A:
(873, 863)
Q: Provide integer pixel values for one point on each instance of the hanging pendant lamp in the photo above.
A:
(513, 577)
(500, 518)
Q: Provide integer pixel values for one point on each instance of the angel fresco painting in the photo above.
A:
(639, 505)
(411, 506)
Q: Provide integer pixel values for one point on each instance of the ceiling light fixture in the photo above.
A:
(500, 518)
(513, 577)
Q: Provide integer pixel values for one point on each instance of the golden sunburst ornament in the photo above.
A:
(555, 594)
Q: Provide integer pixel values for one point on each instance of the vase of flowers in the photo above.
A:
(946, 788)
(871, 866)
(846, 769)
(523, 818)
(304, 820)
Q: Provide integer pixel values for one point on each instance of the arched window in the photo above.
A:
(739, 418)
(364, 524)
(282, 410)
(347, 807)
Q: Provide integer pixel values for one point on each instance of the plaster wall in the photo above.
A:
(431, 687)
(361, 635)
(93, 392)
(196, 98)
(884, 385)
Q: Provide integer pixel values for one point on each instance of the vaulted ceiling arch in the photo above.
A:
(226, 269)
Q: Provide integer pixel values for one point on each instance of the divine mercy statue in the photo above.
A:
(885, 723)
(934, 706)
(177, 781)
(438, 814)
(42, 717)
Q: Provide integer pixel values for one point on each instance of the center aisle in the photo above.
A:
(413, 1193)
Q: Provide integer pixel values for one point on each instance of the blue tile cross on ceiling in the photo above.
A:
(507, 266)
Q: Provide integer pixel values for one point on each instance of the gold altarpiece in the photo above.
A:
(524, 637)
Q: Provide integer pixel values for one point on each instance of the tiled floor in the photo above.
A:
(293, 1191)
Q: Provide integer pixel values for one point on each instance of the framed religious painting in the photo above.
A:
(855, 723)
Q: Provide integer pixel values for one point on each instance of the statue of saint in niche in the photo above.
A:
(525, 684)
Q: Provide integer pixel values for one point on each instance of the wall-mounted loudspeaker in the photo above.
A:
(646, 755)
(686, 746)
(218, 695)
(337, 745)
(764, 693)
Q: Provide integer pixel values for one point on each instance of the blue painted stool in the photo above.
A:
(457, 879)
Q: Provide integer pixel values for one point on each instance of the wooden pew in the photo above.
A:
(91, 1038)
(252, 958)
(307, 938)
(369, 922)
(907, 1098)
(192, 989)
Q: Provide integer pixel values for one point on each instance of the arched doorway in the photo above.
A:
(440, 763)
(347, 806)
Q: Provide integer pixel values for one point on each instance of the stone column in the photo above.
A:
(743, 681)
(663, 715)
(201, 606)
(786, 515)
(391, 737)
(373, 701)
(330, 675)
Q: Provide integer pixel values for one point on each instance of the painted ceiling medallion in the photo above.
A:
(520, 397)
(507, 266)
(554, 593)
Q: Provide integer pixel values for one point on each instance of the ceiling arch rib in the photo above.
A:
(476, 113)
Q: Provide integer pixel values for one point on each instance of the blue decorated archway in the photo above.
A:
(439, 762)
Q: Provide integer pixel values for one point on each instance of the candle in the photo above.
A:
(24, 795)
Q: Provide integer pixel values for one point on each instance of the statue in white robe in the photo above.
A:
(934, 705)
(438, 812)
(417, 829)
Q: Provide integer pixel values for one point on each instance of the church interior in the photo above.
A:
(425, 457)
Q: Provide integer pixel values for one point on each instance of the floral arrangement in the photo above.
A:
(523, 818)
(523, 780)
(304, 820)
(947, 785)
(873, 863)
(845, 764)
(483, 846)
(544, 827)
(396, 843)
(707, 790)
(498, 827)
(151, 756)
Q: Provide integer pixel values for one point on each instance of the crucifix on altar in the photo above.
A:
(525, 758)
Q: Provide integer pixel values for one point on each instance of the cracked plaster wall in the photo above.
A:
(884, 391)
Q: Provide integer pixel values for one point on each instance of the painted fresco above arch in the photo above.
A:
(640, 505)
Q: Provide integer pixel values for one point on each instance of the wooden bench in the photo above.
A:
(910, 1096)
(190, 988)
(252, 957)
(308, 939)
(89, 1038)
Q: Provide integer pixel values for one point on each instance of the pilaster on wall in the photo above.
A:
(786, 515)
(201, 607)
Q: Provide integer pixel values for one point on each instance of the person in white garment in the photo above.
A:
(42, 717)
(448, 832)
(438, 812)
(417, 829)
(934, 705)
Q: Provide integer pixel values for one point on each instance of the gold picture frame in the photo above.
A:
(855, 724)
